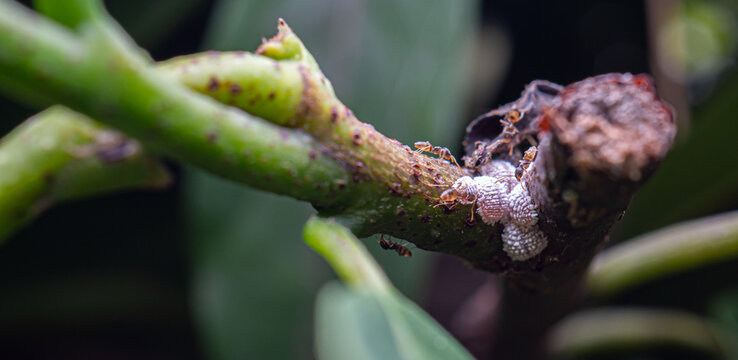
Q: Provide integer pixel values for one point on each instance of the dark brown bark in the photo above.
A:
(600, 139)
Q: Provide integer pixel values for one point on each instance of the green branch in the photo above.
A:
(606, 331)
(98, 75)
(322, 154)
(665, 252)
(348, 257)
(399, 329)
(60, 155)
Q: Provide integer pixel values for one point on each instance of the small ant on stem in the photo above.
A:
(523, 165)
(401, 250)
(464, 190)
(441, 152)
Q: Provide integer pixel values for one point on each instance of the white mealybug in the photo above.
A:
(499, 196)
(491, 199)
(520, 208)
(522, 242)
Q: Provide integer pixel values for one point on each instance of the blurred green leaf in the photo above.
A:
(370, 319)
(665, 252)
(619, 331)
(399, 66)
(253, 281)
(69, 13)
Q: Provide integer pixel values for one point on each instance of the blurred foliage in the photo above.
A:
(398, 65)
(701, 39)
(369, 318)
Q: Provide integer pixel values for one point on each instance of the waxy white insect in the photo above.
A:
(507, 201)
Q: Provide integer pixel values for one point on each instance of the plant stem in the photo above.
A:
(662, 253)
(341, 165)
(98, 75)
(599, 331)
(348, 257)
(60, 155)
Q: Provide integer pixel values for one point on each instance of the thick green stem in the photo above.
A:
(59, 155)
(327, 157)
(100, 76)
(666, 252)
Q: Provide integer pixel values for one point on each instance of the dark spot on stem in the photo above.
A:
(400, 212)
(48, 178)
(254, 99)
(334, 115)
(395, 189)
(272, 95)
(213, 84)
(341, 184)
(235, 89)
(212, 137)
(356, 138)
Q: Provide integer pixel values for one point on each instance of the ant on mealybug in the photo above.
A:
(523, 165)
(441, 152)
(464, 191)
(401, 250)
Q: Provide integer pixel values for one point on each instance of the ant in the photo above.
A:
(523, 165)
(401, 250)
(441, 152)
(464, 190)
(509, 132)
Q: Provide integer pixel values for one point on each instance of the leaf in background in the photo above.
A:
(617, 332)
(369, 319)
(399, 66)
(671, 250)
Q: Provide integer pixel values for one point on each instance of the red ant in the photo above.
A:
(523, 165)
(441, 152)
